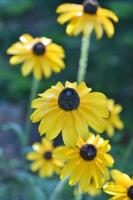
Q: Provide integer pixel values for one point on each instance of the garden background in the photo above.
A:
(109, 70)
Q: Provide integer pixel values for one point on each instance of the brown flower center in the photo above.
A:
(130, 192)
(48, 155)
(68, 99)
(39, 48)
(88, 152)
(90, 6)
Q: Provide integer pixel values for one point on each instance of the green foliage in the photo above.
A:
(15, 7)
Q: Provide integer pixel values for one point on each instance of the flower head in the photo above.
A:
(86, 163)
(114, 120)
(42, 158)
(38, 55)
(70, 109)
(87, 17)
(121, 188)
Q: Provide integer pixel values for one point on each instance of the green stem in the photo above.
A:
(59, 190)
(83, 58)
(79, 195)
(127, 153)
(34, 89)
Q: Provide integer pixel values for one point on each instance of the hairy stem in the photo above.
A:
(83, 58)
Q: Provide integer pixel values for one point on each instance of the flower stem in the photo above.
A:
(34, 89)
(127, 153)
(78, 195)
(83, 58)
(59, 190)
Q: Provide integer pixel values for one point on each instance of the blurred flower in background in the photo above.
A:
(42, 159)
(38, 55)
(114, 120)
(87, 17)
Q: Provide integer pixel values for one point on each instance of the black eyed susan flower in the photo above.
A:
(87, 17)
(86, 163)
(38, 55)
(114, 120)
(42, 158)
(70, 109)
(121, 188)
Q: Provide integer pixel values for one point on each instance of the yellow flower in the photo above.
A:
(42, 158)
(38, 55)
(70, 109)
(121, 188)
(114, 120)
(86, 163)
(87, 17)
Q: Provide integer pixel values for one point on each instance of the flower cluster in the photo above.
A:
(72, 109)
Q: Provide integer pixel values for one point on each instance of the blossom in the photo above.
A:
(70, 109)
(86, 17)
(42, 159)
(121, 187)
(38, 55)
(114, 120)
(86, 163)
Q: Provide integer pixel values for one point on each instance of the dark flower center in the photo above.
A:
(130, 192)
(39, 48)
(88, 152)
(90, 6)
(48, 155)
(68, 99)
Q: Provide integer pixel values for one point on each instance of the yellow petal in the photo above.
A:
(53, 58)
(56, 49)
(27, 67)
(77, 173)
(83, 89)
(37, 165)
(25, 38)
(69, 7)
(69, 132)
(37, 73)
(99, 30)
(71, 85)
(121, 178)
(33, 156)
(68, 168)
(63, 18)
(108, 13)
(46, 70)
(17, 59)
(47, 144)
(80, 124)
(108, 27)
(17, 49)
(56, 126)
(110, 130)
(65, 153)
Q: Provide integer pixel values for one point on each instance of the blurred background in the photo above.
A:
(109, 70)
